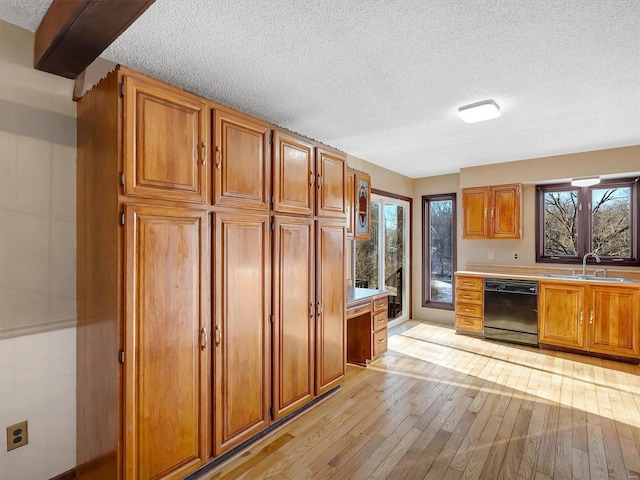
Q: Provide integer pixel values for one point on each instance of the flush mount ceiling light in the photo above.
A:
(479, 111)
(585, 182)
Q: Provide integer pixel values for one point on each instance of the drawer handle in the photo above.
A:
(467, 322)
(218, 157)
(468, 284)
(467, 296)
(204, 153)
(381, 320)
(381, 304)
(381, 340)
(468, 309)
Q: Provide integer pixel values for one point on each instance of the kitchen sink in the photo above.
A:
(589, 278)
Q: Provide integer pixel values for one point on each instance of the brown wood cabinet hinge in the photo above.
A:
(121, 356)
(121, 90)
(122, 219)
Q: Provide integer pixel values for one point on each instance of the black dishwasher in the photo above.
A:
(511, 310)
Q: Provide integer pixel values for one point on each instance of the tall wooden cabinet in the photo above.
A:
(210, 296)
(144, 258)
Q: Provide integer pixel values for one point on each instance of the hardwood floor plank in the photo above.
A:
(443, 406)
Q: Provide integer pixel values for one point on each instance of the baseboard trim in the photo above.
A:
(68, 475)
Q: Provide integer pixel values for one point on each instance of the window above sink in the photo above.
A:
(604, 218)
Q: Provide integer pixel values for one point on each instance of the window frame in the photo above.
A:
(584, 218)
(426, 250)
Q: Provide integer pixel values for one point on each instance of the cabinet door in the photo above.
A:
(331, 177)
(613, 320)
(562, 315)
(505, 211)
(166, 272)
(241, 162)
(165, 148)
(330, 306)
(350, 203)
(294, 319)
(240, 331)
(475, 205)
(293, 175)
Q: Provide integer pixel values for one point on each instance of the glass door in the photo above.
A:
(382, 261)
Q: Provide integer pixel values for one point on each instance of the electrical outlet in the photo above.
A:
(17, 436)
(492, 256)
(515, 256)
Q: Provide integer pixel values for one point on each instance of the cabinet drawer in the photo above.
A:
(379, 342)
(359, 310)
(379, 321)
(472, 324)
(469, 296)
(469, 310)
(380, 305)
(469, 283)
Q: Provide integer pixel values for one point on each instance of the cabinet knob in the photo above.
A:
(591, 318)
(581, 315)
(312, 178)
(218, 157)
(319, 308)
(311, 310)
(204, 153)
(319, 180)
(218, 335)
(203, 338)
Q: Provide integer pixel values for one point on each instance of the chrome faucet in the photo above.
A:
(584, 261)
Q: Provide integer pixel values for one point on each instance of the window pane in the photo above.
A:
(611, 221)
(394, 257)
(441, 243)
(561, 223)
(367, 253)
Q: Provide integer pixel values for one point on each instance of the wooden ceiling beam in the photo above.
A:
(73, 33)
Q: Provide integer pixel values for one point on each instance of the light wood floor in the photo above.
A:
(446, 406)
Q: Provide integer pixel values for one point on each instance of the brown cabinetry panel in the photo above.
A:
(293, 174)
(561, 315)
(167, 257)
(331, 178)
(330, 306)
(350, 202)
(505, 214)
(614, 320)
(294, 312)
(240, 161)
(240, 329)
(165, 149)
(475, 210)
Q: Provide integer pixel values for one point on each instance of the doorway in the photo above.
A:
(382, 262)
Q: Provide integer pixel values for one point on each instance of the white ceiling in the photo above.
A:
(382, 79)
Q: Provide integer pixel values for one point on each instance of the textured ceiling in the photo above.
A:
(382, 79)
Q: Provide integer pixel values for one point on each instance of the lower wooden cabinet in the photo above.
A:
(166, 369)
(241, 329)
(469, 304)
(602, 319)
(367, 329)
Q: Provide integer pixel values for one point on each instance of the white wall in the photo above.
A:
(37, 262)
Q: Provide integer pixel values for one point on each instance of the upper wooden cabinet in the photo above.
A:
(240, 161)
(165, 141)
(491, 212)
(166, 289)
(362, 206)
(331, 177)
(293, 174)
(597, 318)
(350, 202)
